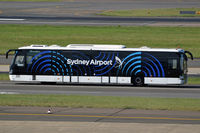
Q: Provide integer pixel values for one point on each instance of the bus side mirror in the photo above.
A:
(187, 52)
(9, 52)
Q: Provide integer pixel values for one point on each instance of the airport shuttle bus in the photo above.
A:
(99, 64)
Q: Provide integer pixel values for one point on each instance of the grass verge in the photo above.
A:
(194, 80)
(4, 77)
(163, 12)
(101, 102)
(14, 36)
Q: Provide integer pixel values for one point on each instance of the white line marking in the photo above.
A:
(11, 19)
(8, 93)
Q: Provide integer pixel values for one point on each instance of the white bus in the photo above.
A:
(99, 64)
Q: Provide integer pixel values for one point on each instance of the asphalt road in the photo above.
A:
(87, 7)
(98, 115)
(82, 12)
(186, 91)
(100, 21)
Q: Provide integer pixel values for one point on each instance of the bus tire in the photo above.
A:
(138, 81)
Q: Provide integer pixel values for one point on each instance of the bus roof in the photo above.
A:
(103, 47)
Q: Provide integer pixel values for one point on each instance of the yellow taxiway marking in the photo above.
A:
(1, 12)
(99, 116)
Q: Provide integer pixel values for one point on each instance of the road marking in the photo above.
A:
(11, 19)
(112, 117)
(4, 92)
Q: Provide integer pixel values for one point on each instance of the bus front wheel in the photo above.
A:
(138, 81)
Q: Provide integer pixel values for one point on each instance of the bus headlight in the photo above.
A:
(181, 77)
(11, 71)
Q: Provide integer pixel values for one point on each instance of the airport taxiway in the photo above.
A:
(185, 91)
(98, 115)
(83, 12)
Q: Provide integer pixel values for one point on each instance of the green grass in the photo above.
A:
(166, 12)
(14, 36)
(73, 101)
(4, 77)
(194, 80)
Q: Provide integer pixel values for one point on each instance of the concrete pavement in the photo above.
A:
(194, 71)
(93, 127)
(4, 68)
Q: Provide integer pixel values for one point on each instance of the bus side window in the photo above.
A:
(19, 61)
(28, 59)
(29, 56)
(172, 64)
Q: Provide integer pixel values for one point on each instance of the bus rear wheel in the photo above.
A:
(138, 81)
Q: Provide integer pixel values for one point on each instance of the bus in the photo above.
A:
(99, 64)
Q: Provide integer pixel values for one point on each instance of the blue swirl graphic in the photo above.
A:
(135, 59)
(54, 58)
(109, 68)
(147, 70)
(46, 65)
(96, 57)
(163, 73)
(44, 52)
(154, 73)
(47, 69)
(145, 73)
(106, 65)
(102, 59)
(45, 61)
(154, 65)
(138, 66)
(58, 71)
(138, 71)
(134, 63)
(46, 56)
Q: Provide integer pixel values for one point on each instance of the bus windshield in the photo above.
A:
(19, 59)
